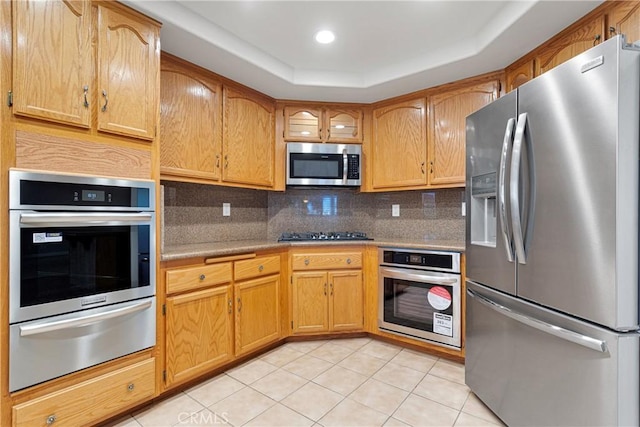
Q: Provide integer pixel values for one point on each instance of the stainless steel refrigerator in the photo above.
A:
(552, 245)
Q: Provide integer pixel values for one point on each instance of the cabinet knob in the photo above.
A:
(348, 260)
(202, 277)
(131, 386)
(51, 419)
(306, 261)
(261, 268)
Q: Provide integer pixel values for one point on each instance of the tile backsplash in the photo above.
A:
(193, 213)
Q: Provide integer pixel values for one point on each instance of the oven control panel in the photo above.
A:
(425, 260)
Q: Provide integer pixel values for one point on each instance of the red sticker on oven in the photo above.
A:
(439, 298)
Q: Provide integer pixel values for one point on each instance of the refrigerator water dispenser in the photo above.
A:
(483, 209)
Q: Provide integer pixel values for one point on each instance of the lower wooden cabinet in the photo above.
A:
(92, 400)
(257, 313)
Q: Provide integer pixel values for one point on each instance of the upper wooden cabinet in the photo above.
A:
(128, 64)
(248, 142)
(58, 75)
(190, 123)
(624, 18)
(399, 149)
(517, 75)
(574, 43)
(447, 130)
(322, 124)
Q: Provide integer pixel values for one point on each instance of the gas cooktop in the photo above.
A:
(339, 235)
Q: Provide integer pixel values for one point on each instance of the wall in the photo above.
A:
(193, 213)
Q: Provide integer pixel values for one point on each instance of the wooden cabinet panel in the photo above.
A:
(302, 124)
(567, 47)
(91, 400)
(257, 267)
(248, 139)
(518, 75)
(322, 124)
(198, 332)
(309, 302)
(257, 313)
(190, 124)
(127, 74)
(193, 278)
(343, 125)
(324, 261)
(347, 301)
(52, 68)
(399, 140)
(447, 130)
(624, 18)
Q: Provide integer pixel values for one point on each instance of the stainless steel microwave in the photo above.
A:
(317, 164)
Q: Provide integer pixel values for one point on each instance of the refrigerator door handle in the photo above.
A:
(514, 188)
(502, 194)
(557, 331)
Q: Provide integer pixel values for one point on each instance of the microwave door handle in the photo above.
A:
(345, 166)
(80, 322)
(83, 219)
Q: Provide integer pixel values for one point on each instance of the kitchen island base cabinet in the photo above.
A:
(90, 401)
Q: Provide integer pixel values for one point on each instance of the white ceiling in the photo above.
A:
(382, 48)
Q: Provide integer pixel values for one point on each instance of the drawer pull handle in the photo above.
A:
(131, 386)
(51, 419)
(261, 268)
(348, 260)
(306, 261)
(202, 277)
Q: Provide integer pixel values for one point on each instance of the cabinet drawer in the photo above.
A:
(84, 403)
(188, 279)
(327, 261)
(256, 267)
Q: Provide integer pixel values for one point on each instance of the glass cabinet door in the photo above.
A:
(302, 124)
(344, 126)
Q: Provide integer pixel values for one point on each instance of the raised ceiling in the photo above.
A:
(382, 48)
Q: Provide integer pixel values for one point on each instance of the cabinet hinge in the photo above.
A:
(292, 324)
(164, 376)
(164, 309)
(10, 99)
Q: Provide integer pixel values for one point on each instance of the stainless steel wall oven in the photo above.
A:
(419, 294)
(81, 272)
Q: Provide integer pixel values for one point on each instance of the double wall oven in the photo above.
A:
(81, 272)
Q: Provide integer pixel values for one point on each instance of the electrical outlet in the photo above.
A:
(226, 209)
(395, 210)
(464, 208)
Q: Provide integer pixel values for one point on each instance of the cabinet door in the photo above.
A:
(190, 125)
(519, 75)
(257, 313)
(128, 65)
(302, 124)
(561, 50)
(447, 130)
(248, 139)
(198, 332)
(310, 303)
(343, 125)
(347, 303)
(399, 145)
(624, 18)
(52, 68)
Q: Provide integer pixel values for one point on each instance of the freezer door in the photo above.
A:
(488, 234)
(579, 187)
(534, 367)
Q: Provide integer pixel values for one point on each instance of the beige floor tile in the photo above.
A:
(215, 389)
(280, 416)
(380, 350)
(399, 376)
(443, 391)
(279, 384)
(362, 363)
(127, 421)
(379, 396)
(468, 420)
(392, 422)
(412, 359)
(341, 380)
(448, 370)
(168, 412)
(242, 406)
(312, 401)
(307, 366)
(331, 352)
(352, 343)
(251, 371)
(475, 407)
(351, 413)
(418, 411)
(281, 356)
(305, 346)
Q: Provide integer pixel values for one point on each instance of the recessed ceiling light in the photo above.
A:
(325, 36)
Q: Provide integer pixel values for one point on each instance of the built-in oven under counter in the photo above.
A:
(419, 295)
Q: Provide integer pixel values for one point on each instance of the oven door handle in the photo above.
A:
(444, 279)
(83, 219)
(80, 322)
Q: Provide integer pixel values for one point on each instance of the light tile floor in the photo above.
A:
(340, 382)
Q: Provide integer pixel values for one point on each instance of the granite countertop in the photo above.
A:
(214, 249)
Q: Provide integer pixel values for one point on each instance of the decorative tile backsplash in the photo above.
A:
(193, 213)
